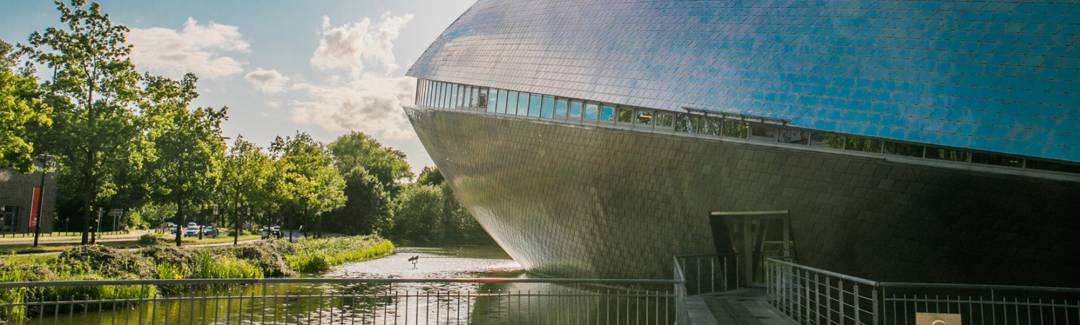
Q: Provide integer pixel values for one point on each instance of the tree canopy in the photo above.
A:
(93, 92)
(21, 107)
(311, 184)
(140, 142)
(185, 166)
(356, 149)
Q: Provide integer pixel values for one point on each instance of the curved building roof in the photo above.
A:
(996, 76)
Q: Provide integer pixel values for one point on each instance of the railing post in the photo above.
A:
(874, 299)
(840, 294)
(806, 287)
(855, 299)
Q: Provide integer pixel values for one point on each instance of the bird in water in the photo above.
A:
(413, 260)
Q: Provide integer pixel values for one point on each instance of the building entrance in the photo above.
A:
(753, 236)
(9, 218)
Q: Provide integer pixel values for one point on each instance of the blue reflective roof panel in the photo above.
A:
(995, 76)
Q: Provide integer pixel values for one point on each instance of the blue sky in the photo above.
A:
(323, 67)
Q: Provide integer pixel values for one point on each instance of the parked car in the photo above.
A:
(192, 229)
(210, 231)
(168, 227)
(270, 231)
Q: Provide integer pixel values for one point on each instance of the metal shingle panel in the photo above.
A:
(998, 76)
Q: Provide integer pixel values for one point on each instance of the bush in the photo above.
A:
(108, 262)
(318, 255)
(97, 292)
(207, 266)
(309, 263)
(167, 255)
(151, 239)
(269, 257)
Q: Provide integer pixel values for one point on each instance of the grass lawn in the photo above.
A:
(9, 250)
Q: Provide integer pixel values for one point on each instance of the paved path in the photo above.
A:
(28, 240)
(242, 242)
(743, 306)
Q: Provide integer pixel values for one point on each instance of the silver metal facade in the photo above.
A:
(581, 200)
(997, 76)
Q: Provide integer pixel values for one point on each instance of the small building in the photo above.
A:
(16, 201)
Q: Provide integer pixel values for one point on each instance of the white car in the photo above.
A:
(192, 229)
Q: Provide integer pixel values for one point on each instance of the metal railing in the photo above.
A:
(338, 300)
(27, 234)
(815, 296)
(980, 304)
(698, 274)
(708, 273)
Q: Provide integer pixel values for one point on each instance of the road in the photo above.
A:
(242, 242)
(11, 241)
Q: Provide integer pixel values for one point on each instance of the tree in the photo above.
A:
(452, 223)
(371, 173)
(356, 149)
(419, 209)
(430, 175)
(188, 148)
(311, 184)
(367, 206)
(92, 92)
(21, 108)
(249, 182)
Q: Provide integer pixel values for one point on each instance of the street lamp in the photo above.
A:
(39, 195)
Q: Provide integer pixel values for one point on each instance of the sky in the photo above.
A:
(321, 67)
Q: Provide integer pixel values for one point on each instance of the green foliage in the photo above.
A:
(309, 263)
(207, 266)
(430, 175)
(169, 256)
(104, 261)
(269, 257)
(187, 146)
(427, 212)
(318, 255)
(310, 183)
(356, 149)
(418, 209)
(169, 262)
(21, 108)
(149, 239)
(367, 207)
(93, 90)
(250, 182)
(153, 214)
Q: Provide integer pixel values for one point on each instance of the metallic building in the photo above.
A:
(915, 141)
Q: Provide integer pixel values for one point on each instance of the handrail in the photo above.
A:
(799, 295)
(330, 280)
(976, 286)
(825, 272)
(705, 255)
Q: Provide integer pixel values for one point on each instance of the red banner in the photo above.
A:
(34, 206)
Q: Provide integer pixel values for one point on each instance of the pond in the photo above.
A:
(374, 302)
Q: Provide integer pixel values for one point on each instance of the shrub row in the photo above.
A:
(276, 258)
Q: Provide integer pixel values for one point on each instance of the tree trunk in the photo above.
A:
(91, 164)
(179, 220)
(88, 213)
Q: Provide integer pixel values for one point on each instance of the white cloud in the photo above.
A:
(362, 100)
(267, 81)
(200, 49)
(371, 104)
(355, 44)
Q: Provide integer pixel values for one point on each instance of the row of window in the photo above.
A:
(437, 94)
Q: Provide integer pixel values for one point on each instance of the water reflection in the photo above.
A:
(390, 303)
